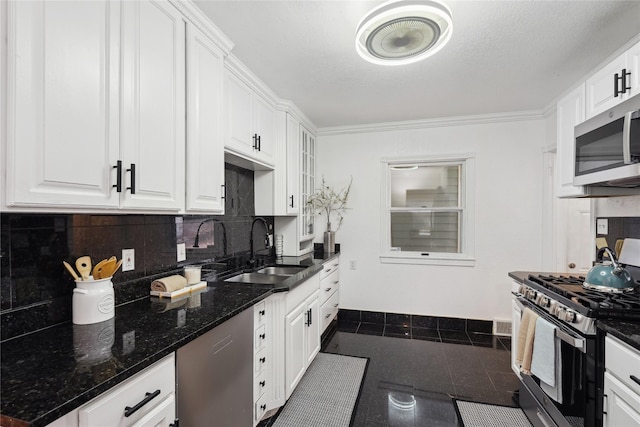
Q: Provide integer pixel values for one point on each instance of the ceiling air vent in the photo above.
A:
(401, 31)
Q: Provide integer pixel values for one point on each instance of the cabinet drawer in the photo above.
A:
(329, 285)
(259, 384)
(260, 360)
(329, 268)
(259, 314)
(260, 408)
(109, 408)
(260, 338)
(623, 362)
(162, 415)
(329, 309)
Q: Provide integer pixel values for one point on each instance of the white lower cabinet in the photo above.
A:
(146, 399)
(302, 331)
(621, 384)
(329, 292)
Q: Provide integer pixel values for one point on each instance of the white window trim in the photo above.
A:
(466, 258)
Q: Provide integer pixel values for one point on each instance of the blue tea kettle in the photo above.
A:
(608, 276)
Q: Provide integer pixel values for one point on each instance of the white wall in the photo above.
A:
(509, 164)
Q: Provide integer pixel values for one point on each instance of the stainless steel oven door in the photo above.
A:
(540, 408)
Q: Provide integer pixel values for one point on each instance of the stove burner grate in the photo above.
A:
(590, 302)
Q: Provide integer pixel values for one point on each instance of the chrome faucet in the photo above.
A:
(224, 234)
(266, 237)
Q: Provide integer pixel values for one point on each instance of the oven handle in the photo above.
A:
(573, 341)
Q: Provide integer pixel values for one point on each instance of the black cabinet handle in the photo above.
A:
(133, 178)
(327, 316)
(635, 379)
(291, 197)
(263, 407)
(261, 312)
(327, 290)
(259, 144)
(263, 359)
(306, 321)
(255, 141)
(262, 336)
(335, 305)
(622, 78)
(310, 317)
(262, 383)
(118, 184)
(224, 191)
(128, 410)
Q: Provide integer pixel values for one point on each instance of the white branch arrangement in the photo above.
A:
(328, 202)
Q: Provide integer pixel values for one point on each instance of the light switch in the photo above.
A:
(602, 226)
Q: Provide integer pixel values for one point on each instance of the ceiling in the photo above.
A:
(504, 56)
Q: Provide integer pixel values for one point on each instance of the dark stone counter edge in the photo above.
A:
(57, 412)
(626, 331)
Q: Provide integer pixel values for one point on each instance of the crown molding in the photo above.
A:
(433, 123)
(204, 24)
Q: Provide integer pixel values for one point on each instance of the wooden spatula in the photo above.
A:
(83, 264)
(99, 269)
(71, 270)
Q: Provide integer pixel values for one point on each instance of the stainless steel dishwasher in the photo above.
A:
(215, 376)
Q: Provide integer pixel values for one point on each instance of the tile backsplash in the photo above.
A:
(35, 289)
(620, 228)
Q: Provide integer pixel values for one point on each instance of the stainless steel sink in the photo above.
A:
(281, 270)
(259, 278)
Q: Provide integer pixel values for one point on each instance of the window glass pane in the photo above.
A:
(425, 186)
(425, 231)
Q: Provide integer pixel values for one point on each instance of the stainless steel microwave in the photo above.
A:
(607, 147)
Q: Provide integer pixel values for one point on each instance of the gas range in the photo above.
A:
(565, 299)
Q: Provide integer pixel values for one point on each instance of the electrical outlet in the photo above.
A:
(128, 259)
(182, 252)
(128, 342)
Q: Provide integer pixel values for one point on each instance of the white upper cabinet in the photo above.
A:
(293, 166)
(153, 105)
(250, 122)
(62, 92)
(96, 105)
(205, 147)
(614, 83)
(570, 112)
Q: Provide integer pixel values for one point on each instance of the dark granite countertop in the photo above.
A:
(49, 373)
(627, 331)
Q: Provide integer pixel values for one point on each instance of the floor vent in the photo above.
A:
(502, 327)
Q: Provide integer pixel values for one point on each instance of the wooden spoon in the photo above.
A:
(98, 269)
(107, 268)
(71, 270)
(83, 264)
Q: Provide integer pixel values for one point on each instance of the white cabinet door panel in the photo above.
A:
(296, 363)
(312, 343)
(570, 112)
(62, 134)
(153, 104)
(622, 404)
(238, 115)
(205, 147)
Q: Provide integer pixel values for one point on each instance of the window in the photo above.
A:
(427, 214)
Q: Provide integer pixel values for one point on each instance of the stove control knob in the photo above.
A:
(531, 294)
(570, 316)
(544, 302)
(560, 312)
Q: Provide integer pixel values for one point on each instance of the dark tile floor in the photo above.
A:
(414, 373)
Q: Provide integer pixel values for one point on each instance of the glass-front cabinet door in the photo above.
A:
(308, 162)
